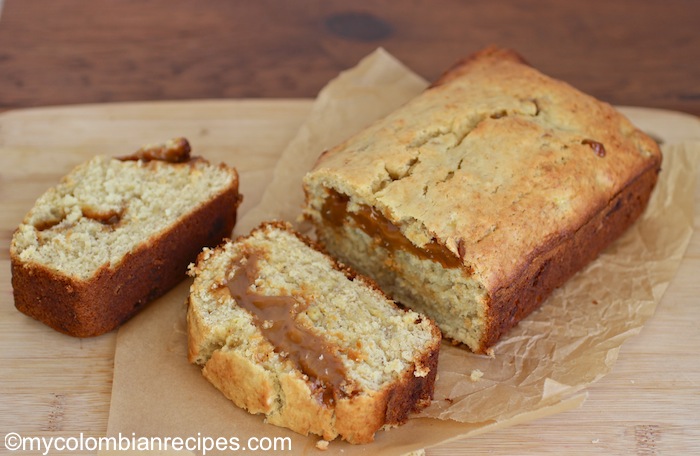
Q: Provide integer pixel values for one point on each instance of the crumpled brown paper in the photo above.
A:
(540, 367)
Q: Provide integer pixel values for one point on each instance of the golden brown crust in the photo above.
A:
(245, 383)
(174, 151)
(562, 258)
(463, 66)
(507, 169)
(87, 308)
(356, 418)
(415, 391)
(302, 412)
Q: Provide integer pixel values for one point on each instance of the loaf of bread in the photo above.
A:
(115, 234)
(282, 329)
(476, 199)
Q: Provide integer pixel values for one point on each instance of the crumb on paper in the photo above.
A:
(322, 445)
(476, 375)
(595, 441)
(490, 353)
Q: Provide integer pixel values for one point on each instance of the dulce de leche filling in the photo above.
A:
(275, 316)
(174, 151)
(384, 232)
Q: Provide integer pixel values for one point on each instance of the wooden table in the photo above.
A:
(626, 52)
(638, 53)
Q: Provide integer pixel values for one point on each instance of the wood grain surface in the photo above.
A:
(52, 385)
(627, 52)
(64, 52)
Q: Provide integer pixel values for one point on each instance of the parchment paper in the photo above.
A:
(540, 367)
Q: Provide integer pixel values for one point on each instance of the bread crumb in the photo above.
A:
(421, 370)
(490, 353)
(322, 445)
(476, 375)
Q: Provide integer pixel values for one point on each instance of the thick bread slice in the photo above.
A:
(115, 234)
(282, 329)
(476, 199)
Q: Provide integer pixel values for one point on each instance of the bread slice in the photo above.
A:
(115, 234)
(476, 199)
(283, 330)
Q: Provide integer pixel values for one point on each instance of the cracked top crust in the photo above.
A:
(491, 154)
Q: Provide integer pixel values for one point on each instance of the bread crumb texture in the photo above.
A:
(384, 350)
(476, 375)
(496, 164)
(105, 208)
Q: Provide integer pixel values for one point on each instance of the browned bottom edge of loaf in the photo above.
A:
(394, 406)
(554, 266)
(354, 419)
(415, 393)
(88, 308)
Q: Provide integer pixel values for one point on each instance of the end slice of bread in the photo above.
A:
(282, 329)
(116, 233)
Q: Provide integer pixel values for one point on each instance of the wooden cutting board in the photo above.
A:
(54, 385)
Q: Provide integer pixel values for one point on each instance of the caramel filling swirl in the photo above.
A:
(276, 317)
(383, 231)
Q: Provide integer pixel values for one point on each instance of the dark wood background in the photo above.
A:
(55, 52)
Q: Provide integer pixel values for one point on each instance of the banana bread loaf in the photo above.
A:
(283, 330)
(476, 199)
(115, 234)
